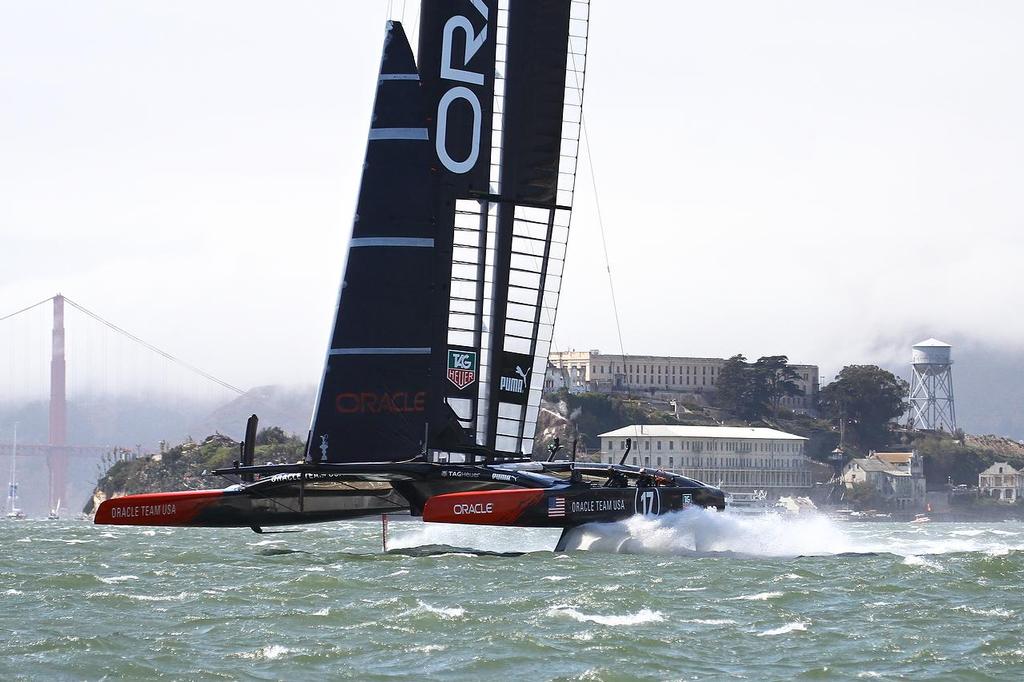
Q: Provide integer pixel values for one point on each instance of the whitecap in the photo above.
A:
(638, 618)
(914, 560)
(13, 592)
(446, 613)
(795, 626)
(1001, 613)
(326, 611)
(760, 596)
(395, 574)
(428, 648)
(181, 596)
(115, 579)
(269, 652)
(557, 578)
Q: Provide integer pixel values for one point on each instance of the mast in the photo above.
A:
(504, 208)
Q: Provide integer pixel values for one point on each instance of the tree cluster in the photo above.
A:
(864, 399)
(754, 390)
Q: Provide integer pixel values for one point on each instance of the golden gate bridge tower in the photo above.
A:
(57, 457)
(110, 368)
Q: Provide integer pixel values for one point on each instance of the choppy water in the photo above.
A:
(696, 595)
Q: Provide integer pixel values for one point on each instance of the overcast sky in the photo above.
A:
(830, 180)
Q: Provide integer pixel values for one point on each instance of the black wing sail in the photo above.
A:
(372, 402)
(509, 72)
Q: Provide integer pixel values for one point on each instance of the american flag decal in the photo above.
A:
(556, 506)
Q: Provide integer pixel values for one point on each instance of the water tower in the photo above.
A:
(931, 388)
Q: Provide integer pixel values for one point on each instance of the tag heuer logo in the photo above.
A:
(461, 367)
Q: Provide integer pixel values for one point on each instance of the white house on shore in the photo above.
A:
(898, 477)
(733, 457)
(1002, 482)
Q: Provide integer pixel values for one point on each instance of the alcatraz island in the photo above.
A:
(761, 427)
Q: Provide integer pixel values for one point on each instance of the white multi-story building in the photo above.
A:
(664, 376)
(898, 477)
(1002, 482)
(732, 457)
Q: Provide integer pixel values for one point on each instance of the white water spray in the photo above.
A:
(707, 532)
(703, 532)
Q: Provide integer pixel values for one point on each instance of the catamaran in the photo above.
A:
(433, 376)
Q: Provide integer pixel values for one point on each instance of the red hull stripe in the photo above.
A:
(156, 509)
(485, 507)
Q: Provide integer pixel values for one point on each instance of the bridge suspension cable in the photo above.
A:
(149, 346)
(178, 361)
(25, 310)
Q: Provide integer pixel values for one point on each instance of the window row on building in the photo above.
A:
(749, 446)
(592, 371)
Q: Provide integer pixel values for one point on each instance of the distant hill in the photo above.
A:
(288, 408)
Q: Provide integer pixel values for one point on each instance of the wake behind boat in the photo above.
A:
(433, 377)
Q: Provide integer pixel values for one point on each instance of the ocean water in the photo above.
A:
(696, 595)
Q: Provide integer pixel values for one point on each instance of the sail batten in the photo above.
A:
(398, 134)
(380, 351)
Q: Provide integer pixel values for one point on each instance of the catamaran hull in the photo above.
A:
(561, 508)
(243, 508)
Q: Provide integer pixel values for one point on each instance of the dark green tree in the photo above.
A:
(778, 380)
(272, 435)
(866, 398)
(732, 383)
(742, 388)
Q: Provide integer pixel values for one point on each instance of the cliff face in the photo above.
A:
(182, 467)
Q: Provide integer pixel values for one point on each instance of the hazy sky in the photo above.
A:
(830, 180)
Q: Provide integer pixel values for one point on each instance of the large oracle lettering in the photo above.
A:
(450, 72)
(478, 508)
(377, 403)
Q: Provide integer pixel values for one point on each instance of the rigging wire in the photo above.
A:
(600, 217)
(604, 240)
(597, 204)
